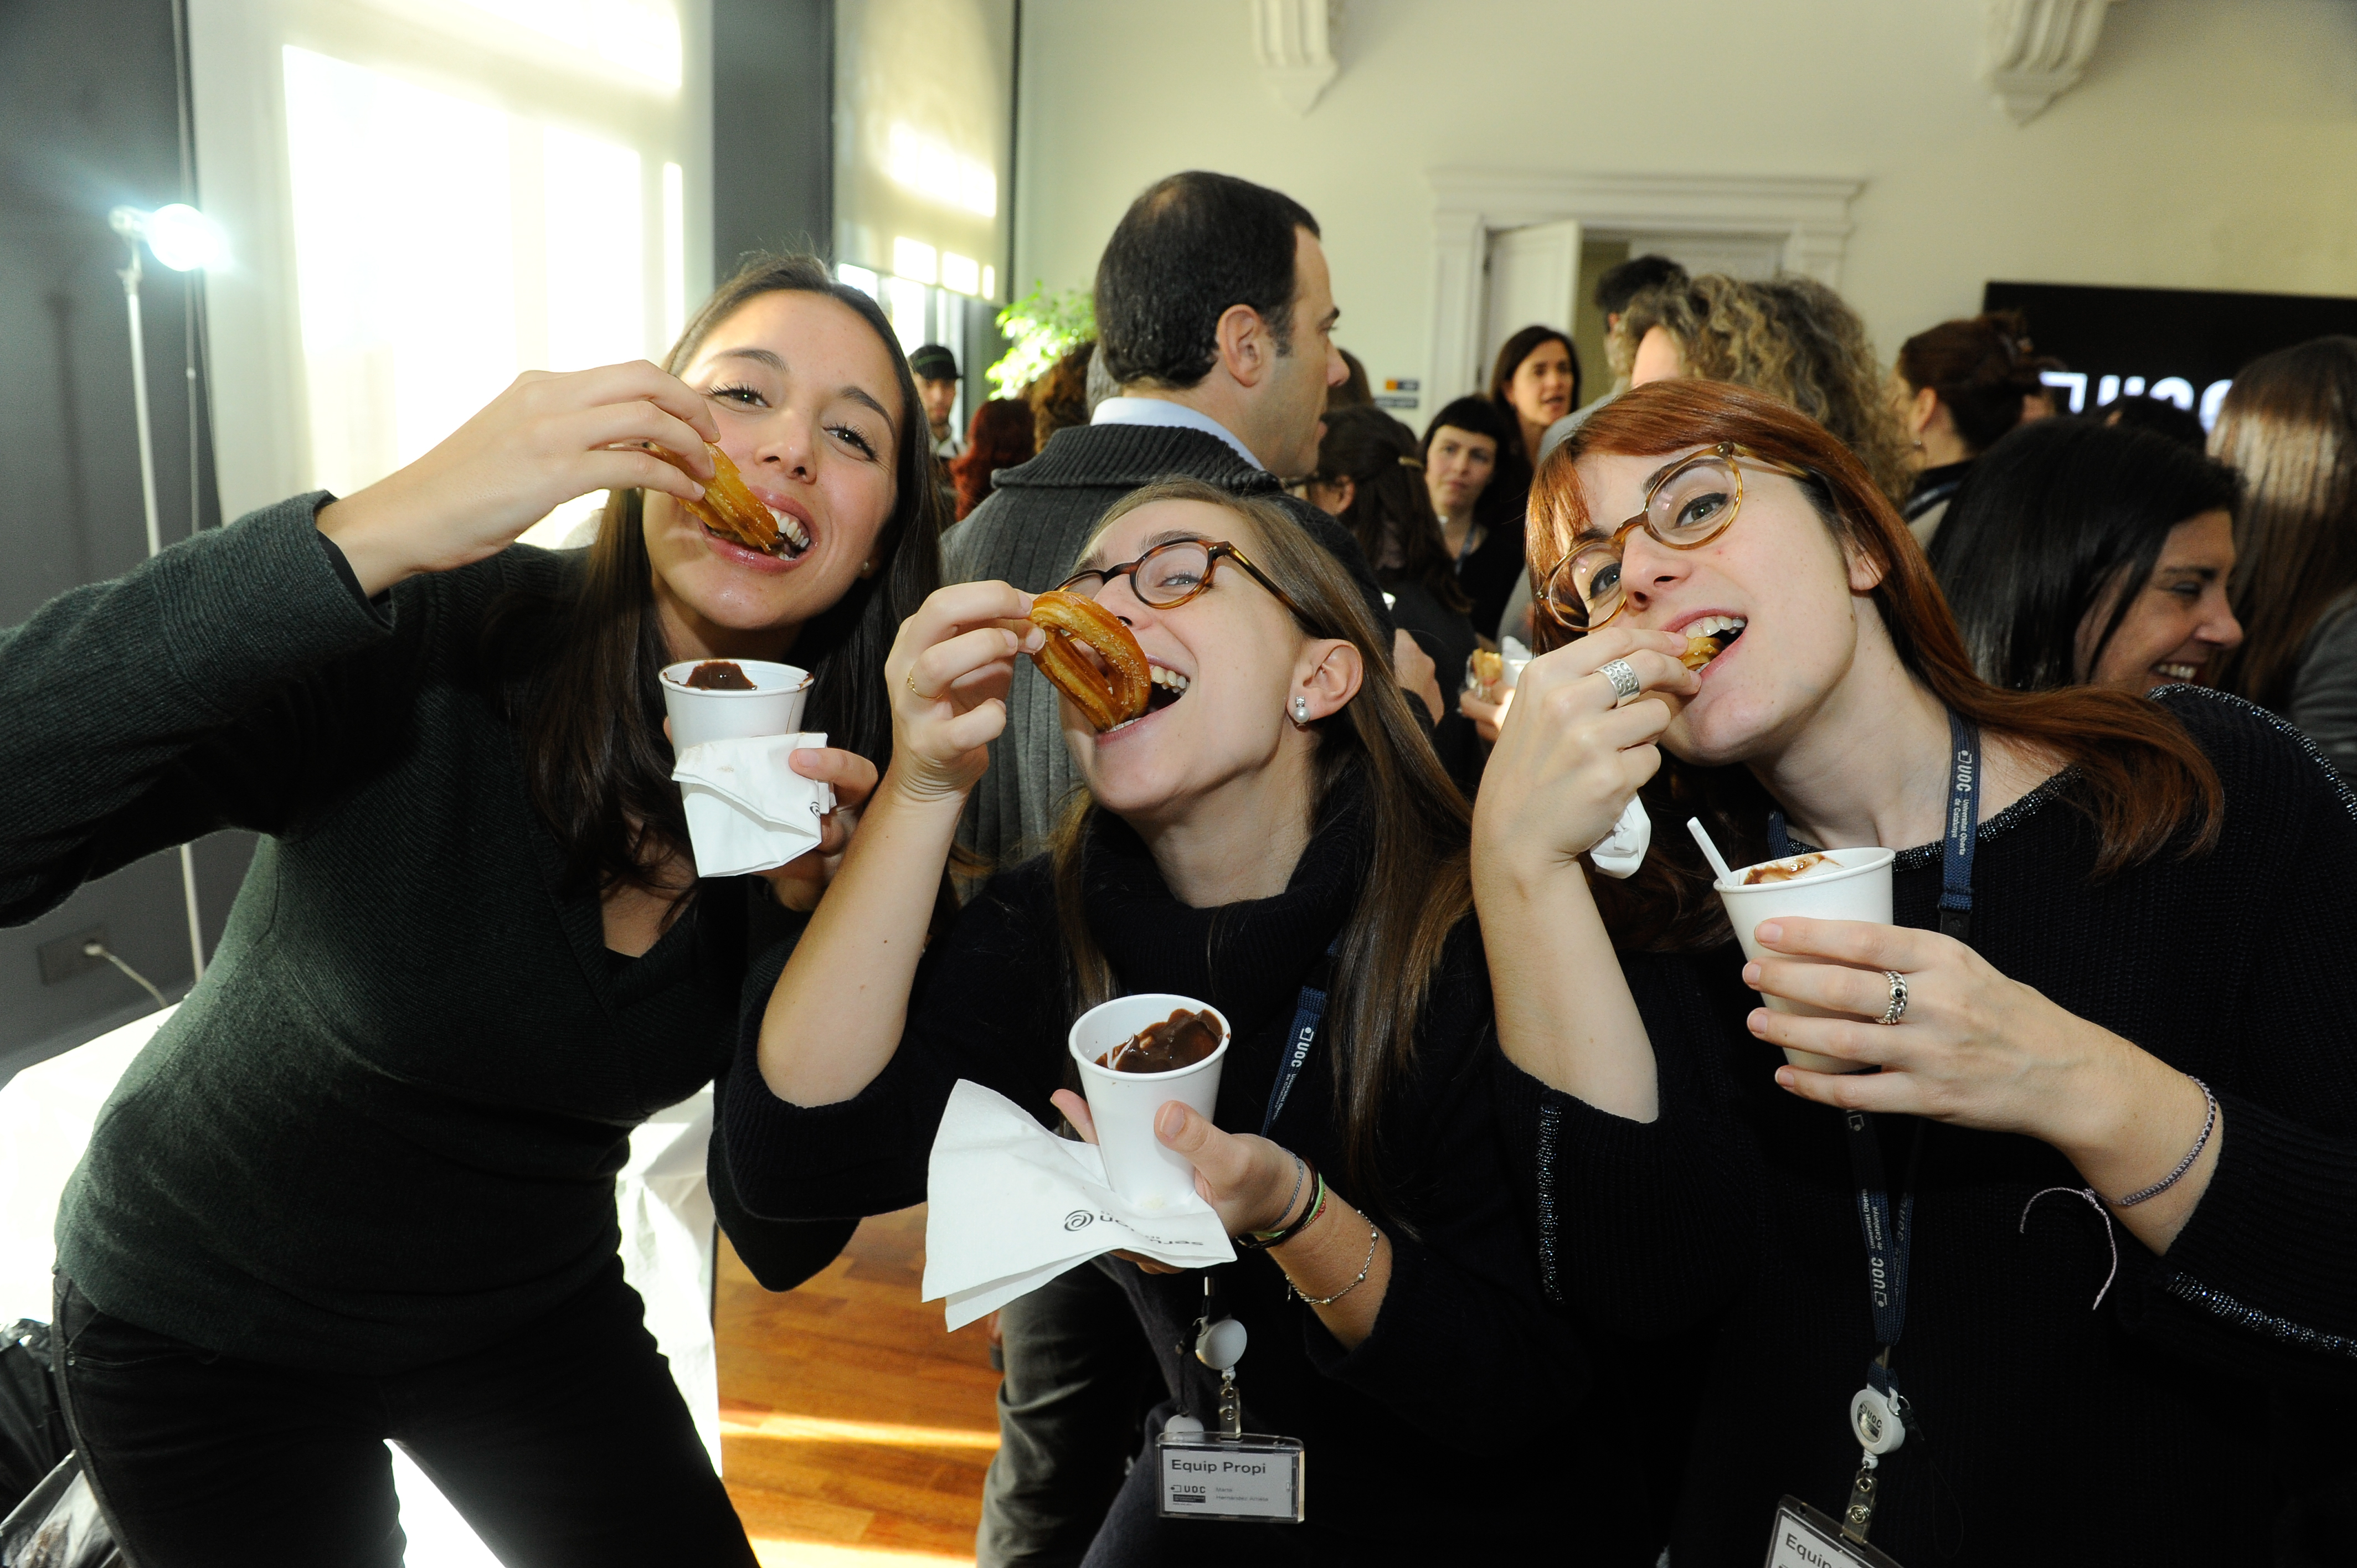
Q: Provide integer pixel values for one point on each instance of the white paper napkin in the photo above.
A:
(1619, 853)
(1010, 1206)
(746, 811)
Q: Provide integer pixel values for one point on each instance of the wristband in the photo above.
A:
(1259, 1240)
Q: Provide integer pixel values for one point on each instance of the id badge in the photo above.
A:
(1807, 1539)
(1204, 1476)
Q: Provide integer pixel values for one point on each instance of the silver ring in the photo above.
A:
(1898, 1008)
(1623, 678)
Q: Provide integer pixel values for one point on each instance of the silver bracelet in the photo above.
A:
(1374, 1236)
(2164, 1183)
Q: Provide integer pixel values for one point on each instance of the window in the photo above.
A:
(465, 189)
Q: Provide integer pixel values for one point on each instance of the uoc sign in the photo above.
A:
(2184, 345)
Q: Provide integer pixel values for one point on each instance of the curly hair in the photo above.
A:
(1796, 340)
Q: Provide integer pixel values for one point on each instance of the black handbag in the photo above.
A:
(33, 1439)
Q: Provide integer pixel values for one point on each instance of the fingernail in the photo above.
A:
(1769, 934)
(1751, 972)
(1173, 1119)
(1786, 1078)
(1758, 1022)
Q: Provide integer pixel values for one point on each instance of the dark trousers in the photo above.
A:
(1079, 1373)
(567, 1444)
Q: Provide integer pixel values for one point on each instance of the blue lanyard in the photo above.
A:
(1306, 1015)
(1890, 1234)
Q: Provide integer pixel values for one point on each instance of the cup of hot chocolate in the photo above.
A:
(732, 699)
(1136, 1054)
(1822, 885)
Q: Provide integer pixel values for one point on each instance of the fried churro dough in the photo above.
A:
(728, 506)
(1701, 651)
(1108, 696)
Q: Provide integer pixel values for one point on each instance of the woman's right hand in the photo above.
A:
(1567, 760)
(545, 440)
(948, 674)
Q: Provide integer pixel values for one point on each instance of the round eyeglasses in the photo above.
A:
(1687, 506)
(1176, 571)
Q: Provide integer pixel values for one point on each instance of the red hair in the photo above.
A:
(2142, 779)
(999, 436)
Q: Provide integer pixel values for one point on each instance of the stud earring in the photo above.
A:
(867, 567)
(1301, 711)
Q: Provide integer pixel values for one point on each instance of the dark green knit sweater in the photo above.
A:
(383, 1130)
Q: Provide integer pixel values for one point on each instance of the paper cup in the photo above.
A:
(1125, 1104)
(773, 708)
(1857, 886)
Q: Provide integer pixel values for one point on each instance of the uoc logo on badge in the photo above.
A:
(1078, 1219)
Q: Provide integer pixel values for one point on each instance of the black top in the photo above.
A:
(1487, 572)
(1934, 485)
(1464, 1355)
(2165, 1426)
(382, 1131)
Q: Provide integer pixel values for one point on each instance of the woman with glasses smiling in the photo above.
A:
(1274, 824)
(2055, 1259)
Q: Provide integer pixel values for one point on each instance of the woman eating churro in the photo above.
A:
(1274, 822)
(2076, 1199)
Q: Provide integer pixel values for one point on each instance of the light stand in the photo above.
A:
(182, 240)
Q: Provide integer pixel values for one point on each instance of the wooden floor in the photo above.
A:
(854, 1430)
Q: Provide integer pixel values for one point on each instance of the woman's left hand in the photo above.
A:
(1247, 1180)
(1973, 1048)
(799, 883)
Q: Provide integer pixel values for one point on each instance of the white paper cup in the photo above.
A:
(1857, 886)
(1125, 1104)
(773, 708)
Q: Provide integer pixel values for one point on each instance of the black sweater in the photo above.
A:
(382, 1131)
(1464, 1356)
(2164, 1427)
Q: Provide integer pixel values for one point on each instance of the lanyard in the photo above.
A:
(1890, 1238)
(1307, 1013)
(1889, 1230)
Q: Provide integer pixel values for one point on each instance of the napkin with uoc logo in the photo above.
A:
(1009, 1205)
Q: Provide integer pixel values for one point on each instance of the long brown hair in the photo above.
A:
(1796, 340)
(1418, 885)
(577, 670)
(2290, 427)
(2141, 777)
(1389, 512)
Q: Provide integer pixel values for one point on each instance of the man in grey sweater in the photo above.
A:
(1215, 317)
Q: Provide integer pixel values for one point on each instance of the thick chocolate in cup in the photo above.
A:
(1125, 1104)
(700, 713)
(1856, 887)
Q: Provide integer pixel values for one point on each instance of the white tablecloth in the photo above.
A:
(45, 1115)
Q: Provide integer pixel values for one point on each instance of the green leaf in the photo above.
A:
(1041, 328)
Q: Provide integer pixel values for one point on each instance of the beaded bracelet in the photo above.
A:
(2208, 1126)
(1373, 1238)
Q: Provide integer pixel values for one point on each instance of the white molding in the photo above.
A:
(2037, 50)
(1809, 214)
(1294, 42)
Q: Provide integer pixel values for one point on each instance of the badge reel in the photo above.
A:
(1229, 1474)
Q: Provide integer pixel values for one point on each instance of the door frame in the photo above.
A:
(1808, 214)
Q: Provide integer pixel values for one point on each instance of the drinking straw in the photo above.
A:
(1710, 850)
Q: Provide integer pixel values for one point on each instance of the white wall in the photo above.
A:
(2212, 145)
